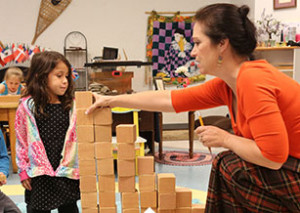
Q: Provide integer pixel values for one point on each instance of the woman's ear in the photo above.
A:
(223, 45)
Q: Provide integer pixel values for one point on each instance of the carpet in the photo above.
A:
(181, 158)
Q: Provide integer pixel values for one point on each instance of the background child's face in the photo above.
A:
(58, 81)
(13, 83)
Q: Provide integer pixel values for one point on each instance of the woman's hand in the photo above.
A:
(27, 184)
(100, 101)
(212, 136)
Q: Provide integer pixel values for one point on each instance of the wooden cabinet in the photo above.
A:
(286, 59)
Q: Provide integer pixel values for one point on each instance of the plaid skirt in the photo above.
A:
(238, 186)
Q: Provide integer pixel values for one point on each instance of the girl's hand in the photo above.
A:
(3, 179)
(27, 184)
(212, 136)
(100, 101)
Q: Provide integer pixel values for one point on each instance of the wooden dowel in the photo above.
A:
(173, 13)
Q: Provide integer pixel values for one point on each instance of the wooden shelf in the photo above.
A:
(274, 48)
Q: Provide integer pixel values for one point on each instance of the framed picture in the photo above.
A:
(281, 4)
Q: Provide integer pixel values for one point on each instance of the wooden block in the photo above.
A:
(89, 200)
(167, 200)
(148, 199)
(86, 151)
(84, 119)
(126, 151)
(126, 184)
(159, 210)
(147, 183)
(88, 183)
(166, 182)
(87, 167)
(108, 209)
(105, 166)
(103, 133)
(10, 98)
(126, 133)
(183, 197)
(198, 208)
(106, 183)
(84, 99)
(184, 210)
(136, 210)
(130, 200)
(126, 168)
(145, 165)
(89, 210)
(102, 116)
(103, 150)
(107, 199)
(85, 133)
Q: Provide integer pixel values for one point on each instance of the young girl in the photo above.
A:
(12, 82)
(46, 136)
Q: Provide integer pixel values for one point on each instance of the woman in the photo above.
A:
(261, 170)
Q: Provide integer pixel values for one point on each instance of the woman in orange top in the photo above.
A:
(260, 172)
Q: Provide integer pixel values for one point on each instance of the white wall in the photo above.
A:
(114, 23)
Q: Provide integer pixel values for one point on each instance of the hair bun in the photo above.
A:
(243, 10)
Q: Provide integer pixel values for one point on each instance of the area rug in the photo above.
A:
(182, 158)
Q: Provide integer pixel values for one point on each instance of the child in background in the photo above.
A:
(12, 82)
(46, 136)
(6, 204)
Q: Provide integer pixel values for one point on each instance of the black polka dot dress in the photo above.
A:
(51, 192)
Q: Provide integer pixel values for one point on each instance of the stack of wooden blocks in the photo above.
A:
(94, 135)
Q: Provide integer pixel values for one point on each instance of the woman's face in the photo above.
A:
(204, 51)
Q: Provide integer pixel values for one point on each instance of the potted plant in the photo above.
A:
(269, 26)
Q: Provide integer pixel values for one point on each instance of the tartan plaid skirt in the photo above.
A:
(238, 186)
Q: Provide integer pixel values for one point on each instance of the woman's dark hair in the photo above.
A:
(223, 21)
(37, 80)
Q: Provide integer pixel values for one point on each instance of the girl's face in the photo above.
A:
(204, 51)
(58, 82)
(13, 83)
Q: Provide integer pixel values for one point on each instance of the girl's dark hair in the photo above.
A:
(37, 80)
(223, 21)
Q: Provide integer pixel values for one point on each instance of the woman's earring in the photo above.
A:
(220, 60)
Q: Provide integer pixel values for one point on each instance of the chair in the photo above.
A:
(159, 85)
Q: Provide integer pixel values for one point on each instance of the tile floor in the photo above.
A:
(194, 177)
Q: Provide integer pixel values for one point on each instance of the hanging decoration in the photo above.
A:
(169, 46)
(49, 11)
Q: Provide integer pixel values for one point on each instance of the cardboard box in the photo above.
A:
(159, 210)
(148, 199)
(130, 200)
(184, 210)
(198, 208)
(84, 99)
(126, 184)
(102, 116)
(88, 183)
(84, 119)
(86, 151)
(103, 150)
(108, 209)
(87, 167)
(85, 133)
(183, 197)
(145, 165)
(147, 183)
(167, 200)
(103, 133)
(107, 199)
(90, 210)
(126, 151)
(89, 200)
(105, 166)
(166, 182)
(126, 168)
(106, 183)
(126, 133)
(131, 210)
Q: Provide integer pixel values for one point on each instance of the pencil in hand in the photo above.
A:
(202, 124)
